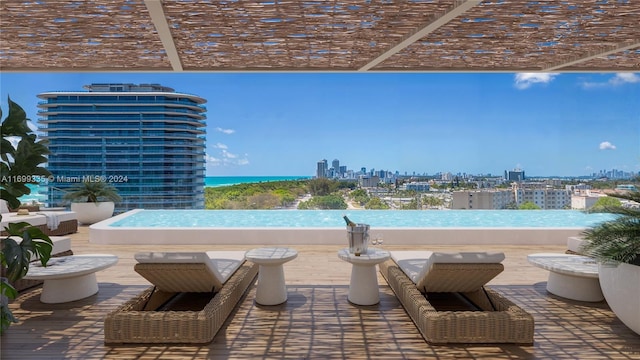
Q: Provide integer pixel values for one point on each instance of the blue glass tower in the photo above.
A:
(146, 140)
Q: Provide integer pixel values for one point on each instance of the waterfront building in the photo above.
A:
(147, 140)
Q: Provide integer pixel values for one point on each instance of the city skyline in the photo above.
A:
(570, 124)
(330, 172)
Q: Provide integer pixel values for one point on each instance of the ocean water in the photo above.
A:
(215, 181)
(375, 218)
(37, 194)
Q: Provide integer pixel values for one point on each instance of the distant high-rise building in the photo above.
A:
(335, 164)
(514, 175)
(147, 140)
(322, 169)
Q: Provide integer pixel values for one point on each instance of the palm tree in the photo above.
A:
(93, 191)
(617, 240)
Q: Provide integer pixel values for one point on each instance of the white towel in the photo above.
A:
(53, 221)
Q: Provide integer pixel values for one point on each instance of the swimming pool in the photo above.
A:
(275, 227)
(375, 218)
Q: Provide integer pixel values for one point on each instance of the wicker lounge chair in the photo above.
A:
(444, 295)
(192, 296)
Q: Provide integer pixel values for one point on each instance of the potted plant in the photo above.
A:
(92, 201)
(616, 246)
(20, 165)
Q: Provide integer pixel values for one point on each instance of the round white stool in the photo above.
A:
(363, 288)
(271, 289)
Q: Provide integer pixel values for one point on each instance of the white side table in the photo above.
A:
(271, 289)
(363, 288)
(69, 278)
(570, 276)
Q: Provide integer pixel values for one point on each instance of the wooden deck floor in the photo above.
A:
(317, 322)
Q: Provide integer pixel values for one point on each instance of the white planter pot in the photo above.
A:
(621, 288)
(91, 213)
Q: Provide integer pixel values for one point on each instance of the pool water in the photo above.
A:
(377, 218)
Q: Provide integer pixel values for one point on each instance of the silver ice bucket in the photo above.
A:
(358, 237)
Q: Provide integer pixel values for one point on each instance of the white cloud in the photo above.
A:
(617, 80)
(525, 80)
(212, 160)
(244, 161)
(623, 78)
(225, 131)
(228, 155)
(225, 158)
(605, 145)
(220, 146)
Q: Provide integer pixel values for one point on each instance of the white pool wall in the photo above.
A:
(102, 233)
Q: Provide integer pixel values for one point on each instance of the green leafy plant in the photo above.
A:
(16, 257)
(605, 201)
(617, 240)
(92, 191)
(20, 165)
(528, 205)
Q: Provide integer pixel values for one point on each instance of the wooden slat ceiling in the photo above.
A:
(309, 35)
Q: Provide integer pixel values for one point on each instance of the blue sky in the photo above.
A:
(284, 123)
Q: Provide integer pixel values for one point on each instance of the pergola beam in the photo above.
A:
(593, 55)
(456, 10)
(162, 27)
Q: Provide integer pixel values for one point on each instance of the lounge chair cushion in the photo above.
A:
(61, 244)
(221, 264)
(411, 262)
(417, 264)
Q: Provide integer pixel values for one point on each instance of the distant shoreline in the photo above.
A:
(217, 181)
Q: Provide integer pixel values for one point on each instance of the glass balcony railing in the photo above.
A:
(118, 100)
(175, 133)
